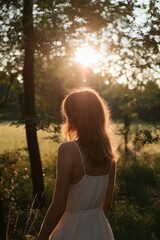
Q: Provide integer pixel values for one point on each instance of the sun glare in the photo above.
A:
(101, 63)
(86, 56)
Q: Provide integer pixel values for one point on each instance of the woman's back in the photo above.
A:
(83, 166)
(83, 217)
(89, 191)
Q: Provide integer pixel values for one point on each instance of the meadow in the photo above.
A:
(135, 214)
(13, 138)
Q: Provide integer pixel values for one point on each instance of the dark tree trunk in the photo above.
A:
(29, 105)
(127, 123)
(126, 141)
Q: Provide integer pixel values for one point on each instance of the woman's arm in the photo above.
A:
(107, 203)
(58, 204)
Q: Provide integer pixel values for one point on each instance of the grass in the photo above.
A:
(13, 138)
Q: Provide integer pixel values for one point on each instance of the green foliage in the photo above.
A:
(135, 183)
(135, 212)
(129, 223)
(148, 135)
(15, 175)
(16, 195)
(15, 189)
(138, 103)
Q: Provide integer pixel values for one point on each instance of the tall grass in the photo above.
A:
(19, 217)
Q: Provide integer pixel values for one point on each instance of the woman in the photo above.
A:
(85, 172)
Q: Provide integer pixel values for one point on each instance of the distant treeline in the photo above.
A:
(142, 102)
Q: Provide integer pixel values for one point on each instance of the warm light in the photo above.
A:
(103, 63)
(86, 56)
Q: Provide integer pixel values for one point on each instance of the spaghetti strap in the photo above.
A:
(80, 156)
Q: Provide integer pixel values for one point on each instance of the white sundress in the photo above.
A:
(83, 218)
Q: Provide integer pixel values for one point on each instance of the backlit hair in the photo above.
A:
(88, 121)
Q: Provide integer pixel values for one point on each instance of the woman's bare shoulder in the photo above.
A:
(67, 147)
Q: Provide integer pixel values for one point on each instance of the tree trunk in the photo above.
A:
(127, 123)
(29, 105)
(126, 142)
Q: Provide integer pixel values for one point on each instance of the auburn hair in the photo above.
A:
(88, 121)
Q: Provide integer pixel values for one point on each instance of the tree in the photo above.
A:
(29, 104)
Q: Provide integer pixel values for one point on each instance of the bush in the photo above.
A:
(17, 210)
(128, 222)
(136, 210)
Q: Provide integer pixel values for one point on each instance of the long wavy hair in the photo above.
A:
(87, 119)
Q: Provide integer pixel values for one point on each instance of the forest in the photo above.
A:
(49, 48)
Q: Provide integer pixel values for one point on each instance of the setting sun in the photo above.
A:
(86, 56)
